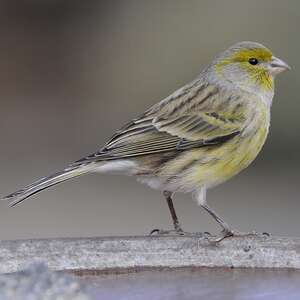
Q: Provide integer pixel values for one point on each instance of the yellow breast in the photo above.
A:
(221, 163)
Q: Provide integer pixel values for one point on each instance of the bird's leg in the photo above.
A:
(177, 228)
(176, 223)
(227, 230)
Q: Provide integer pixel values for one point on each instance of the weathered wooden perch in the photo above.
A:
(108, 254)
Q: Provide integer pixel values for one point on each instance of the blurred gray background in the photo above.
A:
(73, 72)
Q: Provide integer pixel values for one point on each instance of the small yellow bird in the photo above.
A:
(198, 137)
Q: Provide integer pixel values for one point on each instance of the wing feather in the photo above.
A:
(163, 129)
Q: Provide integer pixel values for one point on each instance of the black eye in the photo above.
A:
(253, 61)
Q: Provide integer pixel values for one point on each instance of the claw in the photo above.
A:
(206, 233)
(219, 238)
(179, 232)
(154, 231)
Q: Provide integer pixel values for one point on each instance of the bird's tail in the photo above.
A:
(46, 182)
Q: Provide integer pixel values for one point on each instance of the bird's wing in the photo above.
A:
(182, 121)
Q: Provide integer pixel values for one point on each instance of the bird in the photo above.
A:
(198, 137)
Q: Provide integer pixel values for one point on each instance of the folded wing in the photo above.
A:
(159, 131)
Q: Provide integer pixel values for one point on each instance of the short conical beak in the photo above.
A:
(277, 66)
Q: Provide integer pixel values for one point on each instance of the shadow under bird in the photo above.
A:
(198, 137)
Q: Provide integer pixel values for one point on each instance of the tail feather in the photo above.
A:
(46, 182)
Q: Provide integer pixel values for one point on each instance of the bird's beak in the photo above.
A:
(277, 66)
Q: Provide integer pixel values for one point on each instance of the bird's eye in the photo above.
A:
(253, 61)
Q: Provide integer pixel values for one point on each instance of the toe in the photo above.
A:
(154, 231)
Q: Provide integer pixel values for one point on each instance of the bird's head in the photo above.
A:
(250, 66)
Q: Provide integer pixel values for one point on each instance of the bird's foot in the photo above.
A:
(177, 231)
(233, 233)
